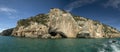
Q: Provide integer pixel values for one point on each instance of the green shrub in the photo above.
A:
(41, 18)
(23, 22)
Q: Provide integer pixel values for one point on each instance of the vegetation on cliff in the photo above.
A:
(41, 18)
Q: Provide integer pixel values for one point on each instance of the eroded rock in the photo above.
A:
(61, 24)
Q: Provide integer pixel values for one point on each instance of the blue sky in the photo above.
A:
(105, 11)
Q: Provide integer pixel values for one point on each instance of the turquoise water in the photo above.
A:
(15, 44)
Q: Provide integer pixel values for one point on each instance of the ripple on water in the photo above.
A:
(110, 47)
(16, 44)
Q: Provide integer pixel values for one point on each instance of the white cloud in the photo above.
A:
(1, 30)
(77, 4)
(113, 3)
(8, 11)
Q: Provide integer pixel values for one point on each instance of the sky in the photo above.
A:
(105, 11)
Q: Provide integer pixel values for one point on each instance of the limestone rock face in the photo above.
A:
(33, 30)
(60, 24)
(63, 22)
(94, 29)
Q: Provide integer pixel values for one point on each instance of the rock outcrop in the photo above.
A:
(7, 32)
(94, 29)
(61, 24)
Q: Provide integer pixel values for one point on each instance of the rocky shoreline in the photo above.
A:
(7, 32)
(61, 24)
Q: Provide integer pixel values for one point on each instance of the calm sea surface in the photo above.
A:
(15, 44)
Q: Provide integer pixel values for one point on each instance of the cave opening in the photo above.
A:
(56, 33)
(62, 34)
(53, 33)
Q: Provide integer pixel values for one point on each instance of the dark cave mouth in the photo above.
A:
(55, 33)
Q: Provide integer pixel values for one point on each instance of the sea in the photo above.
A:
(17, 44)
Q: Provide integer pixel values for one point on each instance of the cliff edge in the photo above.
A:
(61, 24)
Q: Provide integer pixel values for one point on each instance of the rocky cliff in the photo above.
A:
(61, 24)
